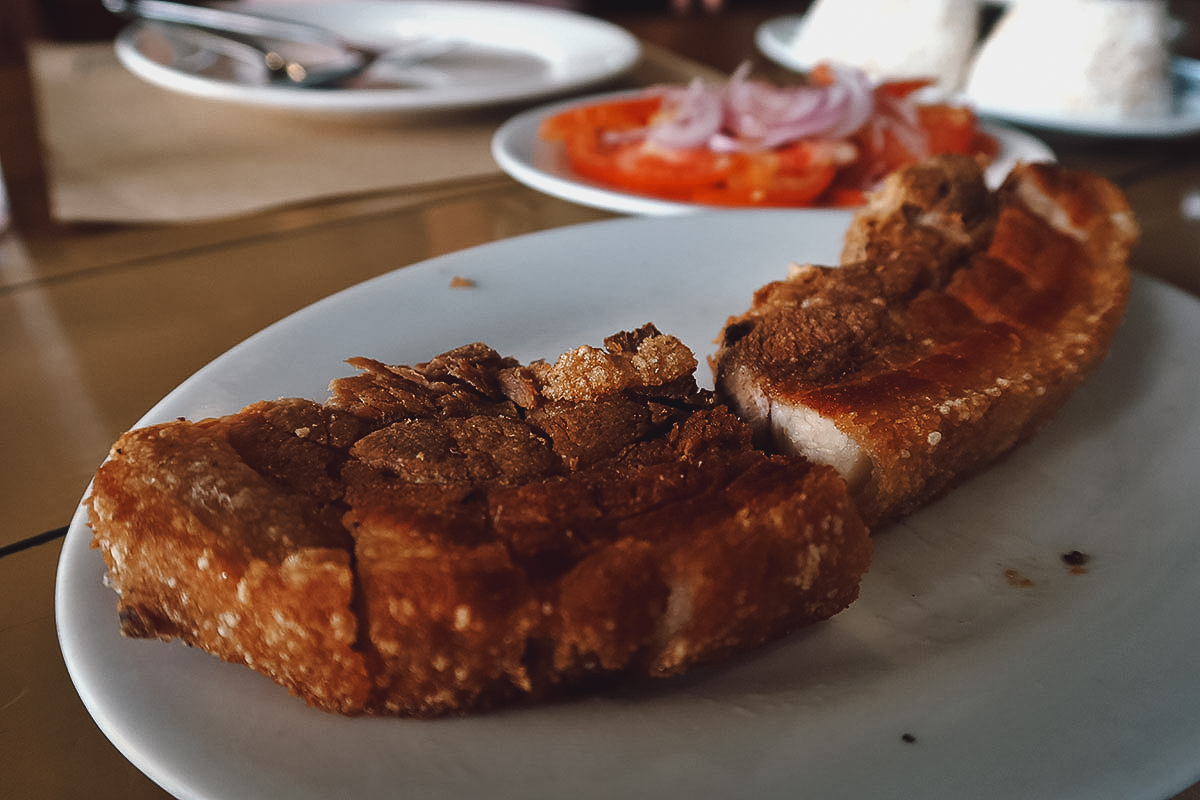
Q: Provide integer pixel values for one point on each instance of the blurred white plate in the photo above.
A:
(542, 165)
(774, 38)
(1074, 687)
(505, 52)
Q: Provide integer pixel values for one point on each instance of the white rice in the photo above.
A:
(892, 39)
(1090, 59)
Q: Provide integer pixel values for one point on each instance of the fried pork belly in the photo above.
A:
(958, 323)
(471, 531)
(227, 534)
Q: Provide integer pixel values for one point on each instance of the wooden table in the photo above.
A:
(100, 320)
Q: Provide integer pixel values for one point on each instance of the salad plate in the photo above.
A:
(525, 156)
(977, 662)
(495, 53)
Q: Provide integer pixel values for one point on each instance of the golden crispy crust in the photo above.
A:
(242, 556)
(472, 531)
(958, 325)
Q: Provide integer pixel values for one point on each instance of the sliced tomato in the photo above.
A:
(802, 173)
(642, 167)
(800, 188)
(985, 146)
(806, 169)
(615, 115)
(596, 150)
(822, 75)
(946, 128)
(796, 174)
(900, 89)
(955, 129)
(951, 129)
(844, 197)
(777, 178)
(881, 151)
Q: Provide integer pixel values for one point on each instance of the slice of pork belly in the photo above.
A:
(959, 322)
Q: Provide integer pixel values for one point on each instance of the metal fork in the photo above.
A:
(256, 34)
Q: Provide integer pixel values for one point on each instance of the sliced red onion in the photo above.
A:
(724, 143)
(769, 116)
(899, 116)
(688, 118)
(855, 97)
(747, 115)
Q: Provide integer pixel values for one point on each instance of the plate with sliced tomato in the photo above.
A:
(744, 144)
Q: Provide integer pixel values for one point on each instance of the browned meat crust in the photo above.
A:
(471, 531)
(958, 323)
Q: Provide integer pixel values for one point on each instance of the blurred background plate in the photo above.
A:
(504, 52)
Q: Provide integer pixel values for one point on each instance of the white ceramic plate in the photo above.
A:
(1076, 686)
(774, 38)
(542, 165)
(504, 52)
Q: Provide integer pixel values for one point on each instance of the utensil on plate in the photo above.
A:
(266, 40)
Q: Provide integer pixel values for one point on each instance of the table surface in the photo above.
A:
(99, 321)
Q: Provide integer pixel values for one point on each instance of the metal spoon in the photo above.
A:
(256, 34)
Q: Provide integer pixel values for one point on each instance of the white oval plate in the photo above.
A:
(774, 38)
(542, 165)
(504, 52)
(1075, 687)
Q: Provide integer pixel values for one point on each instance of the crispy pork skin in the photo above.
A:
(470, 532)
(958, 323)
(227, 535)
